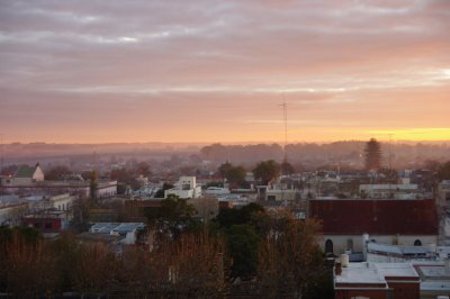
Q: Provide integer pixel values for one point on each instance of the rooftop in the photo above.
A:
(398, 250)
(376, 217)
(25, 171)
(374, 273)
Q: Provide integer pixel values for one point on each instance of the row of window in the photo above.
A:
(329, 244)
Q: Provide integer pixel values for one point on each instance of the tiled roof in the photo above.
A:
(376, 217)
(25, 171)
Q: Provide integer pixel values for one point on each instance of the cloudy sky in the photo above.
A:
(217, 71)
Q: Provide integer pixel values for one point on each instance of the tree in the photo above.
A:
(444, 171)
(93, 186)
(143, 168)
(267, 171)
(174, 216)
(293, 265)
(287, 168)
(57, 173)
(235, 175)
(243, 244)
(372, 154)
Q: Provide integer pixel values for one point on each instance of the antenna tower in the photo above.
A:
(284, 106)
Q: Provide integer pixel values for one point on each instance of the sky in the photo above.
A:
(218, 71)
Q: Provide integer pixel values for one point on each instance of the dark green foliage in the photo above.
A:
(174, 216)
(93, 186)
(235, 175)
(228, 217)
(242, 228)
(243, 247)
(267, 171)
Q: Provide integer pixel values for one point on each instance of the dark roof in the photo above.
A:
(376, 217)
(25, 171)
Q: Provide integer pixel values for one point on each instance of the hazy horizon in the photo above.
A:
(217, 71)
(267, 142)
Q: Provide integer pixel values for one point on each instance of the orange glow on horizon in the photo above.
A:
(320, 135)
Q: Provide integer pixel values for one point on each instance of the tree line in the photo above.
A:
(243, 252)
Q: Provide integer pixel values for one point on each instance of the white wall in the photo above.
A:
(38, 175)
(340, 241)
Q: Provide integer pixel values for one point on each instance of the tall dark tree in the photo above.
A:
(267, 171)
(235, 175)
(444, 171)
(287, 168)
(372, 154)
(93, 185)
(57, 173)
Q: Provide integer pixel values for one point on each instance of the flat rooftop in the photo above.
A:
(374, 273)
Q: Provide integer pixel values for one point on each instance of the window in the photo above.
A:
(48, 225)
(329, 246)
(417, 243)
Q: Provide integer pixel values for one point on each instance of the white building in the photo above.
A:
(62, 202)
(185, 188)
(281, 193)
(26, 175)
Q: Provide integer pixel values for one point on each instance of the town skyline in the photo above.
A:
(215, 71)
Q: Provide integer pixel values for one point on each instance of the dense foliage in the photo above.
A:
(244, 252)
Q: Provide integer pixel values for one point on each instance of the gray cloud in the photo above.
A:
(152, 59)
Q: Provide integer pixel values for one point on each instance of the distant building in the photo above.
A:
(105, 188)
(27, 175)
(401, 222)
(185, 188)
(12, 209)
(50, 221)
(279, 193)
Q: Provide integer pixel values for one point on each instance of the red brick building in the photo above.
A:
(402, 222)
